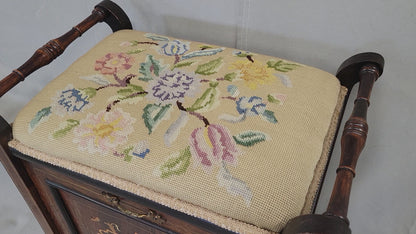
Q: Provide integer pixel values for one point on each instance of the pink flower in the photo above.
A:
(104, 131)
(213, 145)
(112, 63)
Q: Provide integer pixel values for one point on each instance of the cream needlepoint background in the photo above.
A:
(255, 129)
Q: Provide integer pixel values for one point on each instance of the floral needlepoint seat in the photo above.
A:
(232, 137)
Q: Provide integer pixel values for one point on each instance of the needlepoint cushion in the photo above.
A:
(233, 137)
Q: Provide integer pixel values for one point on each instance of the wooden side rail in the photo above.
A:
(106, 11)
(365, 68)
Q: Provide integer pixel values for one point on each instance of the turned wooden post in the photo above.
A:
(352, 143)
(106, 11)
(365, 68)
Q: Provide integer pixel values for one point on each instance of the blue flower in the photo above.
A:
(174, 47)
(141, 149)
(251, 106)
(69, 100)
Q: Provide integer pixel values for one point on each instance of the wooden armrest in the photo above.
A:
(106, 11)
(365, 68)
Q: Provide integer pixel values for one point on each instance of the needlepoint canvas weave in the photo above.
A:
(234, 137)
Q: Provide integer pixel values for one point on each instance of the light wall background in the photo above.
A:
(320, 33)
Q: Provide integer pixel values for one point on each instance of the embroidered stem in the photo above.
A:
(129, 96)
(229, 97)
(106, 86)
(199, 116)
(121, 82)
(111, 104)
(117, 154)
(128, 78)
(147, 42)
(177, 59)
(206, 80)
(118, 79)
(250, 58)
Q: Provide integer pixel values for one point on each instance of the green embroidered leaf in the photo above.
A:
(210, 67)
(150, 67)
(183, 64)
(250, 138)
(269, 116)
(153, 114)
(272, 99)
(242, 54)
(138, 51)
(131, 91)
(177, 164)
(230, 76)
(281, 65)
(206, 100)
(136, 88)
(156, 37)
(127, 155)
(70, 124)
(125, 92)
(39, 117)
(90, 92)
(204, 47)
(199, 53)
(134, 43)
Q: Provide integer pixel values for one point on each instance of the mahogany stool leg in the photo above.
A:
(366, 68)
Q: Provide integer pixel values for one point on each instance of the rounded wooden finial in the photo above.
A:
(348, 72)
(116, 18)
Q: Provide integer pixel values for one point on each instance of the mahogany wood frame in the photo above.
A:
(364, 68)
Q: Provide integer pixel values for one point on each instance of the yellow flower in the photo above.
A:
(254, 73)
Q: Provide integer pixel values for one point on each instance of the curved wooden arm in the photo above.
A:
(106, 11)
(365, 68)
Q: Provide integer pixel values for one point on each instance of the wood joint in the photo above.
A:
(356, 126)
(347, 168)
(370, 68)
(19, 74)
(53, 49)
(99, 13)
